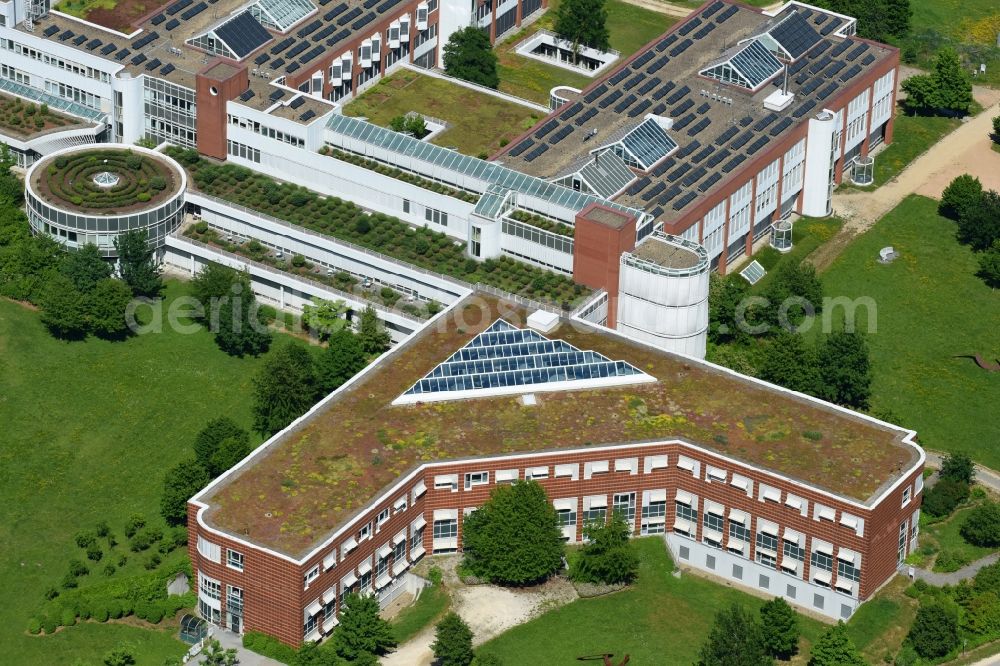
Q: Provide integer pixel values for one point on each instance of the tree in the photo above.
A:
(314, 654)
(361, 631)
(790, 363)
(979, 227)
(962, 195)
(371, 333)
(725, 296)
(324, 317)
(921, 93)
(240, 331)
(180, 485)
(795, 291)
(25, 265)
(835, 648)
(989, 266)
(63, 310)
(342, 359)
(208, 442)
(958, 467)
(284, 389)
(120, 655)
(136, 263)
(996, 128)
(781, 628)
(982, 526)
(845, 370)
(982, 614)
(946, 494)
(514, 537)
(468, 55)
(608, 557)
(954, 87)
(106, 305)
(230, 452)
(582, 22)
(934, 632)
(452, 642)
(736, 639)
(85, 267)
(215, 282)
(215, 655)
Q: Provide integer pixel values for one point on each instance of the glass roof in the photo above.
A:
(648, 143)
(52, 101)
(607, 174)
(756, 63)
(494, 203)
(242, 34)
(281, 15)
(490, 172)
(503, 358)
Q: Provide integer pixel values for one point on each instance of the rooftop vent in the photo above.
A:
(778, 100)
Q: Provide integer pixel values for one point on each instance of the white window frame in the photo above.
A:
(238, 559)
(476, 479)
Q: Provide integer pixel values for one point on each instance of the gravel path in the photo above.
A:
(965, 150)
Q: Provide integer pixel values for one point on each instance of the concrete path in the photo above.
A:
(246, 657)
(965, 150)
(955, 577)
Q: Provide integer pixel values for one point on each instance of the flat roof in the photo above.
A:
(294, 493)
(609, 218)
(668, 255)
(714, 136)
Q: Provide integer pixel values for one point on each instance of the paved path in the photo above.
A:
(955, 577)
(246, 657)
(984, 475)
(965, 150)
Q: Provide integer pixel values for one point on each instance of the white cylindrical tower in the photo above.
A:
(663, 294)
(817, 184)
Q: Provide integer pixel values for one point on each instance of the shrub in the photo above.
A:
(51, 593)
(935, 630)
(298, 261)
(109, 569)
(135, 523)
(958, 467)
(946, 494)
(101, 614)
(34, 626)
(94, 552)
(122, 559)
(78, 568)
(609, 557)
(269, 647)
(68, 581)
(49, 625)
(158, 183)
(362, 226)
(950, 560)
(982, 526)
(39, 123)
(201, 227)
(102, 529)
(115, 609)
(133, 162)
(299, 198)
(152, 562)
(142, 196)
(62, 161)
(68, 617)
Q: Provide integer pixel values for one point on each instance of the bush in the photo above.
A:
(68, 617)
(109, 569)
(950, 560)
(935, 630)
(49, 625)
(609, 558)
(62, 161)
(94, 552)
(115, 609)
(142, 196)
(101, 614)
(102, 529)
(944, 497)
(298, 261)
(133, 162)
(958, 467)
(982, 526)
(362, 226)
(201, 227)
(51, 593)
(152, 562)
(78, 568)
(34, 626)
(269, 647)
(68, 581)
(158, 183)
(135, 523)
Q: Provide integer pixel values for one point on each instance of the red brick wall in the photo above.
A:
(211, 119)
(597, 250)
(274, 599)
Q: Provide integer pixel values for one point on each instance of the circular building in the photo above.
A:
(93, 194)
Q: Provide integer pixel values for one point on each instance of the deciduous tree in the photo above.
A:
(781, 628)
(106, 305)
(608, 556)
(342, 359)
(85, 267)
(63, 310)
(989, 266)
(979, 226)
(583, 22)
(958, 467)
(845, 369)
(790, 363)
(835, 648)
(181, 483)
(469, 55)
(982, 526)
(323, 317)
(208, 441)
(213, 283)
(240, 331)
(284, 389)
(136, 263)
(962, 195)
(736, 639)
(514, 537)
(934, 632)
(452, 642)
(361, 631)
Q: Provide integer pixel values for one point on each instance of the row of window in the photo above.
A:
(73, 94)
(269, 132)
(55, 61)
(15, 75)
(241, 150)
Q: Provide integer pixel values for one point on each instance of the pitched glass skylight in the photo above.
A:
(506, 360)
(748, 66)
(646, 145)
(281, 15)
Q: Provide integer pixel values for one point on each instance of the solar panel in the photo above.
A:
(297, 102)
(335, 12)
(314, 53)
(724, 16)
(648, 143)
(818, 49)
(795, 35)
(670, 195)
(595, 93)
(634, 81)
(278, 63)
(834, 69)
(753, 272)
(194, 11)
(261, 59)
(741, 140)
(66, 34)
(781, 127)
(704, 31)
(639, 108)
(51, 30)
(324, 33)
(850, 73)
(733, 163)
(521, 147)
(561, 134)
(121, 55)
(684, 122)
(658, 65)
(536, 152)
(708, 182)
(694, 176)
(868, 59)
(169, 67)
(678, 172)
(350, 16)
(681, 48)
(505, 358)
(276, 95)
(758, 144)
(718, 157)
(764, 122)
(820, 18)
(703, 108)
(153, 64)
(178, 6)
(587, 115)
(139, 59)
(244, 35)
(247, 95)
(689, 26)
(108, 48)
(664, 166)
(699, 126)
(857, 52)
(619, 76)
(642, 60)
(702, 154)
(293, 67)
(830, 27)
(820, 64)
(840, 48)
(310, 28)
(727, 135)
(666, 42)
(686, 199)
(625, 103)
(573, 109)
(677, 95)
(647, 86)
(811, 86)
(79, 39)
(363, 21)
(93, 44)
(613, 97)
(712, 8)
(825, 92)
(308, 115)
(637, 186)
(546, 128)
(282, 45)
(653, 191)
(682, 107)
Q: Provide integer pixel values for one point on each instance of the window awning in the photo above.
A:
(419, 489)
(682, 525)
(794, 502)
(506, 475)
(822, 576)
(313, 608)
(399, 566)
(685, 463)
(349, 545)
(826, 513)
(330, 595)
(399, 538)
(766, 551)
(684, 497)
(767, 527)
(848, 555)
(347, 581)
(715, 508)
(794, 537)
(419, 523)
(598, 466)
(846, 585)
(712, 535)
(790, 565)
(848, 520)
(717, 473)
(658, 495)
(737, 544)
(823, 547)
(417, 553)
(565, 504)
(384, 552)
(737, 516)
(382, 581)
(595, 502)
(772, 494)
(740, 482)
(445, 514)
(627, 465)
(654, 520)
(399, 503)
(364, 567)
(330, 561)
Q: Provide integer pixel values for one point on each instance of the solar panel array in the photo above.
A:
(243, 34)
(504, 356)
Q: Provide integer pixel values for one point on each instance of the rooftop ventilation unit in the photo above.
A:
(778, 100)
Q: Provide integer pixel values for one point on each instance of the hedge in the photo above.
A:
(269, 647)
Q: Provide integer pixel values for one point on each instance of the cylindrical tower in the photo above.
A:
(663, 294)
(95, 193)
(821, 149)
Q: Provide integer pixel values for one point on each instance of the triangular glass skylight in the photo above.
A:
(506, 360)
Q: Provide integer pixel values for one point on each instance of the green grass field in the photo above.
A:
(659, 620)
(946, 537)
(930, 308)
(912, 136)
(972, 26)
(479, 122)
(88, 431)
(630, 27)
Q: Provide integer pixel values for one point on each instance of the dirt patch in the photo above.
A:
(125, 15)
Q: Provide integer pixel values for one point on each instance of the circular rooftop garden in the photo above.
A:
(108, 181)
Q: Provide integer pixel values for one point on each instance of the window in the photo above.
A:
(419, 490)
(822, 565)
(716, 474)
(311, 575)
(208, 550)
(209, 587)
(399, 506)
(689, 464)
(595, 508)
(630, 465)
(406, 205)
(792, 552)
(767, 550)
(848, 570)
(436, 216)
(653, 463)
(310, 625)
(714, 527)
(623, 504)
(821, 512)
(365, 532)
(654, 511)
(330, 607)
(234, 560)
(595, 467)
(906, 495)
(686, 520)
(769, 493)
(383, 516)
(536, 473)
(571, 471)
(445, 529)
(743, 483)
(739, 536)
(234, 600)
(506, 475)
(240, 150)
(473, 479)
(446, 482)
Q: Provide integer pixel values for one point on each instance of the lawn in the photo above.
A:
(912, 136)
(944, 537)
(630, 27)
(659, 620)
(808, 233)
(881, 624)
(931, 309)
(969, 25)
(89, 428)
(480, 124)
(427, 609)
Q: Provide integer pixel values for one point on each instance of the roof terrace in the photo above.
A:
(313, 478)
